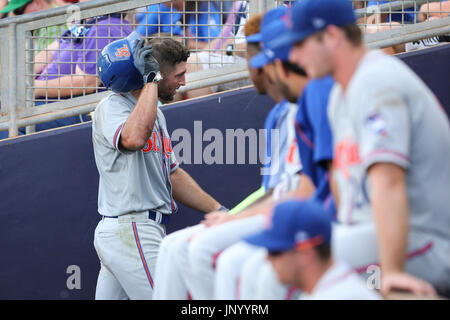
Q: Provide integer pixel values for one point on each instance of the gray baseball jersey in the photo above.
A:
(284, 157)
(131, 180)
(387, 114)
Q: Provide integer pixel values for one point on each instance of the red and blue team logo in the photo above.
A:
(122, 51)
(377, 124)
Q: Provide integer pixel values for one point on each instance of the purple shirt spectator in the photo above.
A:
(80, 47)
(82, 51)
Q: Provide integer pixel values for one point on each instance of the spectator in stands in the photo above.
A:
(171, 17)
(19, 7)
(377, 22)
(431, 11)
(434, 10)
(374, 28)
(3, 4)
(160, 18)
(62, 3)
(428, 11)
(16, 7)
(404, 15)
(407, 15)
(68, 68)
(43, 36)
(228, 49)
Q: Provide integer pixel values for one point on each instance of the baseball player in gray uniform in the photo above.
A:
(391, 144)
(140, 178)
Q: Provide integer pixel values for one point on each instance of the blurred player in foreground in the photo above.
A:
(187, 260)
(392, 181)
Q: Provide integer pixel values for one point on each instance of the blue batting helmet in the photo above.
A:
(115, 65)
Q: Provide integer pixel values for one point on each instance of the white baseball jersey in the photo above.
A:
(387, 114)
(131, 180)
(191, 253)
(341, 282)
(283, 159)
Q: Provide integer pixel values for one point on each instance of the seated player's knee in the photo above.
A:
(226, 258)
(168, 240)
(179, 247)
(199, 255)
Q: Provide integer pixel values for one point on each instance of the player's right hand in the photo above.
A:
(144, 61)
(215, 218)
(403, 281)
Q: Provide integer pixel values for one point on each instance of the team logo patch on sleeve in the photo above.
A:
(377, 124)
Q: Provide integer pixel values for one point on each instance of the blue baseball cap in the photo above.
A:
(295, 225)
(269, 17)
(271, 28)
(310, 16)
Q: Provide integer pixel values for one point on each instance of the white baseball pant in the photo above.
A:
(127, 247)
(253, 279)
(248, 281)
(169, 283)
(229, 266)
(206, 246)
(428, 255)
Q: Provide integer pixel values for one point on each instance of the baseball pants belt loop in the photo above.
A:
(155, 216)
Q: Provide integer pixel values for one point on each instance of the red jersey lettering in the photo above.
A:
(346, 154)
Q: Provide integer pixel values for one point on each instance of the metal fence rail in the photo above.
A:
(211, 29)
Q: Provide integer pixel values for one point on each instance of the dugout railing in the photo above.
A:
(18, 37)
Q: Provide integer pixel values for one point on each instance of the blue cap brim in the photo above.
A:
(254, 38)
(264, 239)
(259, 61)
(288, 39)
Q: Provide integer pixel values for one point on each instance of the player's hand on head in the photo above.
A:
(144, 61)
(393, 281)
(215, 218)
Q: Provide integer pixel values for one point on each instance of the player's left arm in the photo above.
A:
(384, 146)
(186, 191)
(390, 208)
(68, 85)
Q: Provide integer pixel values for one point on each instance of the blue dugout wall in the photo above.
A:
(49, 184)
